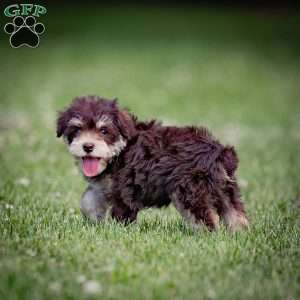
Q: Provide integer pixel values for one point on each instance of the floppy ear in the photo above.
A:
(61, 123)
(126, 124)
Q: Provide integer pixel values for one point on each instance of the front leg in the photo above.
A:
(94, 204)
(122, 213)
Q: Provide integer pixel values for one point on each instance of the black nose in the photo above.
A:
(88, 147)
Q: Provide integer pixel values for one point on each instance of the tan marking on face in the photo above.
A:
(75, 122)
(118, 146)
(104, 120)
(101, 148)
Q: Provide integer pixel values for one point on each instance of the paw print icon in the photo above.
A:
(24, 32)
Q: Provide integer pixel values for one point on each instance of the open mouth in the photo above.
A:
(90, 165)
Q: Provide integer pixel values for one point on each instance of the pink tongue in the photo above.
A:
(90, 166)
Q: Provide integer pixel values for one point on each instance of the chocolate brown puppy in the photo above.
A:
(131, 165)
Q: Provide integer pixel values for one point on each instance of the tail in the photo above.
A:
(229, 159)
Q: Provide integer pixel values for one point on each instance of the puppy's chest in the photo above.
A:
(104, 185)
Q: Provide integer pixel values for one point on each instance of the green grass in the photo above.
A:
(236, 72)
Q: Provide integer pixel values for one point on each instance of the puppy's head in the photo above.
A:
(95, 130)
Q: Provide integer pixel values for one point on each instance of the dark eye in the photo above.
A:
(103, 130)
(76, 129)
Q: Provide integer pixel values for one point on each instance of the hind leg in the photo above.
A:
(232, 211)
(235, 220)
(196, 206)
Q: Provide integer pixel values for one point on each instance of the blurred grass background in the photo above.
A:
(233, 70)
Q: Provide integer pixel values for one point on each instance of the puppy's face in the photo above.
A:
(95, 131)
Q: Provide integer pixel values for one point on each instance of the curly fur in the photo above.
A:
(160, 165)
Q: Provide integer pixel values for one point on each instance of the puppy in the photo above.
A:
(131, 165)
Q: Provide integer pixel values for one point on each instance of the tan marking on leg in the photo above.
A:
(215, 218)
(191, 219)
(186, 214)
(236, 220)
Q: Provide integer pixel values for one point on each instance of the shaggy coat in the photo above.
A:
(155, 166)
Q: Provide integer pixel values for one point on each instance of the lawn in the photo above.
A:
(237, 72)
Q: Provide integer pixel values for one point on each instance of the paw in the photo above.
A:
(24, 32)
